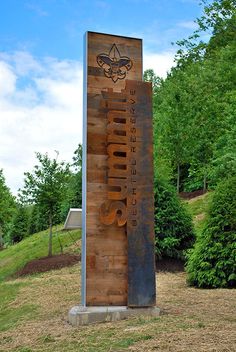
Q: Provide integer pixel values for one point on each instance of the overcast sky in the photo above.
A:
(41, 64)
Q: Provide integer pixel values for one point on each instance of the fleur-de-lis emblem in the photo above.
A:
(115, 66)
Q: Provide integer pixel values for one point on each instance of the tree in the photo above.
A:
(77, 181)
(172, 122)
(150, 76)
(218, 19)
(194, 110)
(73, 195)
(173, 225)
(38, 220)
(212, 261)
(45, 187)
(20, 225)
(7, 208)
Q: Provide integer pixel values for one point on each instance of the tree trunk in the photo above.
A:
(204, 183)
(50, 235)
(178, 178)
(1, 241)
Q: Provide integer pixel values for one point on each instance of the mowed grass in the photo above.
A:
(192, 320)
(10, 315)
(15, 257)
(34, 309)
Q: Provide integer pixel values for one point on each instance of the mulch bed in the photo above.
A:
(48, 263)
(190, 195)
(170, 265)
(44, 264)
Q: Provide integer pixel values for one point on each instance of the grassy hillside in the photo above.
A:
(198, 209)
(36, 246)
(15, 257)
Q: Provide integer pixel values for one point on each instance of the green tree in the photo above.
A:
(194, 115)
(77, 180)
(45, 187)
(172, 123)
(7, 208)
(73, 196)
(218, 16)
(212, 261)
(20, 225)
(150, 76)
(173, 225)
(38, 219)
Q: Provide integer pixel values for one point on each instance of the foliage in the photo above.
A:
(73, 193)
(173, 225)
(77, 182)
(194, 107)
(20, 225)
(218, 16)
(212, 261)
(150, 76)
(38, 220)
(49, 192)
(45, 187)
(172, 128)
(7, 209)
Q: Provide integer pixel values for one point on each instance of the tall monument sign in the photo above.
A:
(118, 211)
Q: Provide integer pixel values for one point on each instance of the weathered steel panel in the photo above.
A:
(140, 201)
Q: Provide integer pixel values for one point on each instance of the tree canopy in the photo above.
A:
(194, 107)
(45, 187)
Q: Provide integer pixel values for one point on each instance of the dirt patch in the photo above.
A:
(199, 217)
(190, 195)
(170, 265)
(48, 263)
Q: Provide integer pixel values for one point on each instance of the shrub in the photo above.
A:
(212, 261)
(173, 225)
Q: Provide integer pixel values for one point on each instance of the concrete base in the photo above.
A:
(80, 315)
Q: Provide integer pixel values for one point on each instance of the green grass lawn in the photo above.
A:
(15, 257)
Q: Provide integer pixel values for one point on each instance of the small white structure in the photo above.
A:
(74, 219)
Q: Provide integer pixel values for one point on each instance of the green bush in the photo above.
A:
(173, 225)
(212, 261)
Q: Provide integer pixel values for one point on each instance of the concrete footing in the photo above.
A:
(80, 315)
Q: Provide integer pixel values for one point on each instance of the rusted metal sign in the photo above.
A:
(118, 238)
